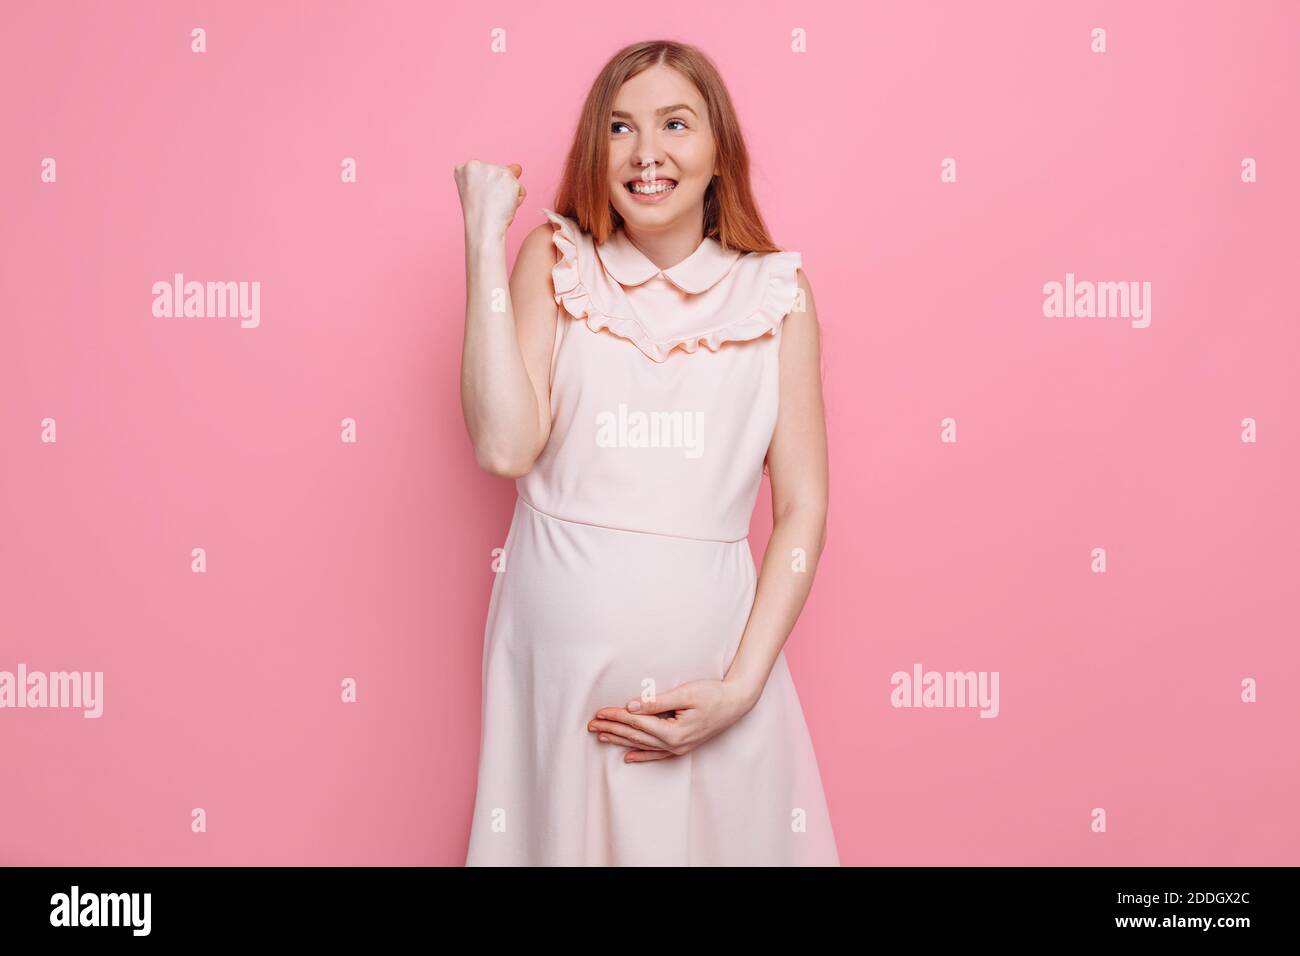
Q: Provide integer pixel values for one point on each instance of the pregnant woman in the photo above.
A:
(651, 354)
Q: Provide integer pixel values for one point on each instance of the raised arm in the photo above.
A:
(509, 325)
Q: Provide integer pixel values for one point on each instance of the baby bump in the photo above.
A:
(607, 615)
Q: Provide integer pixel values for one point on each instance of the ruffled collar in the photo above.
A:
(701, 270)
(751, 299)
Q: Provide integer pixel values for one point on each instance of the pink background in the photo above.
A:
(327, 560)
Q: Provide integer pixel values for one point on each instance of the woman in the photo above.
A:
(655, 351)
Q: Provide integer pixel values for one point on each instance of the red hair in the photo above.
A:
(730, 214)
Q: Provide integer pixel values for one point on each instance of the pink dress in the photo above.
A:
(627, 570)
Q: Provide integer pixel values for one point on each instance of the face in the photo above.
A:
(678, 140)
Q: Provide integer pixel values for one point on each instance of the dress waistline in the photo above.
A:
(659, 534)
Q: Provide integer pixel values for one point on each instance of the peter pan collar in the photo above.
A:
(701, 270)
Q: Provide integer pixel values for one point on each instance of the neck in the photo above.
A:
(667, 245)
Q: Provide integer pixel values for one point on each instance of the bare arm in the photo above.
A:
(506, 358)
(678, 721)
(797, 466)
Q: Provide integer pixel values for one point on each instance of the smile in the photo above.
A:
(641, 188)
(651, 193)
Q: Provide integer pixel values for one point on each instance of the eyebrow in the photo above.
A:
(659, 112)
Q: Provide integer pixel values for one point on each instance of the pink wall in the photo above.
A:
(371, 560)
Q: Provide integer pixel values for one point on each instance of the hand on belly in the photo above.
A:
(673, 723)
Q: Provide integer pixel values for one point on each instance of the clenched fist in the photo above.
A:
(490, 196)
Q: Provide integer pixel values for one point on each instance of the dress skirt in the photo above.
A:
(582, 617)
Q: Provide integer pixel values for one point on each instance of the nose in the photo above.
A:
(648, 163)
(646, 149)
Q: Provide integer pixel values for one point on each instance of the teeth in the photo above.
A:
(662, 186)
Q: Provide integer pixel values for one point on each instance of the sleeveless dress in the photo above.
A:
(627, 568)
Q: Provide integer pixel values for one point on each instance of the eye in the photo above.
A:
(613, 127)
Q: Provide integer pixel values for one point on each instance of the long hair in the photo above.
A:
(730, 214)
